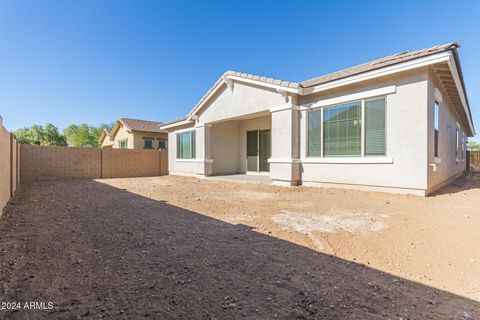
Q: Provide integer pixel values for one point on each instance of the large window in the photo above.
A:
(342, 130)
(186, 145)
(336, 131)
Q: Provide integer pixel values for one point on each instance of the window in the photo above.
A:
(436, 132)
(457, 142)
(186, 145)
(148, 144)
(342, 130)
(314, 123)
(162, 144)
(336, 131)
(375, 127)
(123, 144)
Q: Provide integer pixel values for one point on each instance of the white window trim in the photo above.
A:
(179, 132)
(123, 140)
(184, 130)
(153, 143)
(350, 160)
(457, 142)
(369, 94)
(185, 160)
(362, 155)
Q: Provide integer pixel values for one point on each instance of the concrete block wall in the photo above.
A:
(131, 163)
(42, 163)
(9, 169)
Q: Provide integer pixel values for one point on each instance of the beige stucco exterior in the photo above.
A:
(408, 166)
(135, 139)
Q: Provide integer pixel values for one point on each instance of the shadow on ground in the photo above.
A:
(468, 181)
(97, 251)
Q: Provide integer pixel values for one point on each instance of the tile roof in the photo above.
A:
(365, 67)
(377, 64)
(174, 121)
(283, 83)
(141, 125)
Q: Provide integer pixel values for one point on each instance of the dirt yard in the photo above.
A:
(182, 248)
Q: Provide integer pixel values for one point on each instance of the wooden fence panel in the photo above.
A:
(473, 160)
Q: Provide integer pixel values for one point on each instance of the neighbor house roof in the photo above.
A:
(307, 86)
(141, 125)
(136, 125)
(104, 134)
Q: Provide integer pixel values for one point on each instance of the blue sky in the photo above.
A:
(95, 61)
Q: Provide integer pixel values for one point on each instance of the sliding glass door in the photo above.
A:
(258, 150)
(264, 150)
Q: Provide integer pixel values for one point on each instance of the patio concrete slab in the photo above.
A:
(243, 178)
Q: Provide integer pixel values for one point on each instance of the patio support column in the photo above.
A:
(285, 163)
(204, 161)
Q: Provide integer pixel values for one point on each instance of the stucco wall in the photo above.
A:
(138, 136)
(179, 166)
(449, 166)
(244, 100)
(224, 147)
(107, 143)
(406, 138)
(135, 138)
(121, 135)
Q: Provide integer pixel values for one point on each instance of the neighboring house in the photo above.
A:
(134, 134)
(105, 140)
(397, 124)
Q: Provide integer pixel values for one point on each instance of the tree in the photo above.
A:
(39, 135)
(84, 135)
(473, 146)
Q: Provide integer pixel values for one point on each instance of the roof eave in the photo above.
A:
(456, 60)
(176, 124)
(223, 81)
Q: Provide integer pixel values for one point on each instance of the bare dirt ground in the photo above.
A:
(182, 248)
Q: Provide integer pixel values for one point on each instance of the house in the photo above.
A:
(397, 124)
(105, 141)
(134, 134)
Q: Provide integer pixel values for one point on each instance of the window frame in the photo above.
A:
(457, 142)
(193, 140)
(151, 141)
(123, 141)
(436, 129)
(362, 130)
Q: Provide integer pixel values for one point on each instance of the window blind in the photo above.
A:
(375, 127)
(193, 141)
(314, 122)
(342, 130)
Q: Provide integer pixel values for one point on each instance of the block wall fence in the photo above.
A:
(9, 165)
(44, 163)
(20, 163)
